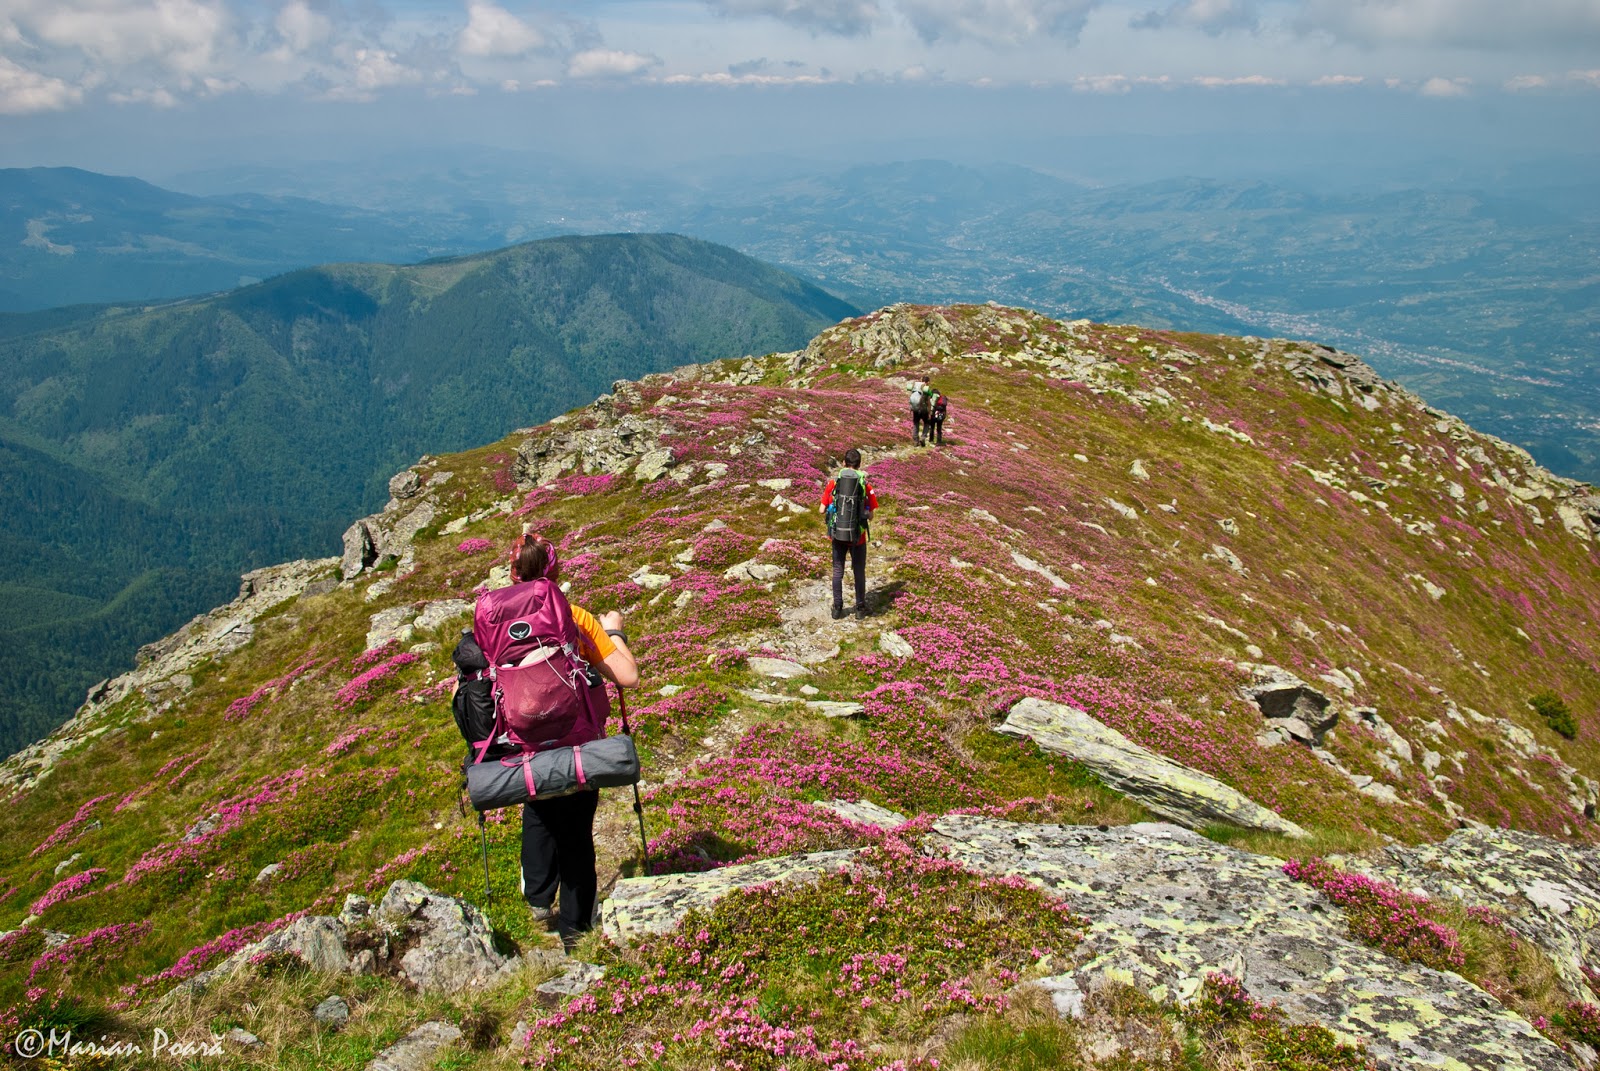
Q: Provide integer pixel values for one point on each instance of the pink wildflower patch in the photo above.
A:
(67, 889)
(360, 688)
(474, 546)
(71, 829)
(1382, 915)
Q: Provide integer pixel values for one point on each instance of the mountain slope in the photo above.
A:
(69, 236)
(1146, 526)
(228, 432)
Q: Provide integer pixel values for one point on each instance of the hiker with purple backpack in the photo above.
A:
(525, 637)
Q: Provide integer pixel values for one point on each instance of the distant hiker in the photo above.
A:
(557, 834)
(936, 415)
(848, 502)
(921, 398)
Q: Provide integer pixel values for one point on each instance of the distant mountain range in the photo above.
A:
(150, 454)
(1477, 292)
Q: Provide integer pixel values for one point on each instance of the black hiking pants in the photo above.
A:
(558, 851)
(936, 429)
(858, 565)
(921, 427)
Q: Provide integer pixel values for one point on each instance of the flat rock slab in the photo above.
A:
(1167, 907)
(780, 668)
(1548, 891)
(863, 813)
(418, 1050)
(639, 907)
(1166, 788)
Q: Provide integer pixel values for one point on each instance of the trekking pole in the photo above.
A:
(483, 830)
(638, 804)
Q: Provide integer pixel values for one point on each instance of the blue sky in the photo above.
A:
(85, 77)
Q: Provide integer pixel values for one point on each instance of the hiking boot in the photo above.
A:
(541, 914)
(861, 613)
(838, 612)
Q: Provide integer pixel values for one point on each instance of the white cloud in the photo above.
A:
(724, 78)
(494, 31)
(302, 27)
(847, 18)
(1115, 83)
(1489, 24)
(183, 37)
(1445, 87)
(1248, 80)
(155, 98)
(1588, 78)
(25, 92)
(608, 63)
(1524, 82)
(1212, 16)
(997, 22)
(1339, 80)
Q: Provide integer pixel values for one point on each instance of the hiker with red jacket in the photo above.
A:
(847, 503)
(558, 833)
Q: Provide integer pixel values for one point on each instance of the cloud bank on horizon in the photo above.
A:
(65, 55)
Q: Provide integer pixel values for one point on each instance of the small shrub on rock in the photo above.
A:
(1226, 1015)
(1383, 916)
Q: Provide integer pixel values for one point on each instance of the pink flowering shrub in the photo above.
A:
(785, 975)
(242, 707)
(1582, 1021)
(689, 709)
(474, 546)
(95, 949)
(395, 868)
(203, 955)
(360, 688)
(67, 889)
(348, 740)
(1383, 916)
(71, 828)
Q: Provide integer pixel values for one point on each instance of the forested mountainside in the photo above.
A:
(152, 453)
(1201, 673)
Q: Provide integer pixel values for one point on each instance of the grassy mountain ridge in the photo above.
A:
(1125, 520)
(216, 434)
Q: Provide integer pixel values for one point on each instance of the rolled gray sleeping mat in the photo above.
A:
(611, 762)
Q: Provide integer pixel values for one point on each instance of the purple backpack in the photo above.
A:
(540, 681)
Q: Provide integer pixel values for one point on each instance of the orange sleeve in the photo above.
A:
(593, 643)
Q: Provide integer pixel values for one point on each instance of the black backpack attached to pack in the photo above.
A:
(845, 514)
(473, 705)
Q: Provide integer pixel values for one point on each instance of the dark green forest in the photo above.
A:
(148, 456)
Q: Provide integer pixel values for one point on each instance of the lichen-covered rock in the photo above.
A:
(863, 812)
(638, 907)
(1280, 694)
(1166, 907)
(1548, 891)
(1164, 787)
(316, 940)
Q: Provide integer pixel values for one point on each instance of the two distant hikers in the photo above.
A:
(928, 410)
(847, 503)
(530, 629)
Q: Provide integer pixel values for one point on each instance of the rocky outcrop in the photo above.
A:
(451, 942)
(1290, 704)
(1164, 787)
(1166, 907)
(163, 673)
(436, 943)
(613, 444)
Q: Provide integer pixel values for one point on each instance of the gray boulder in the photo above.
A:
(317, 940)
(451, 943)
(332, 1012)
(1166, 788)
(418, 1050)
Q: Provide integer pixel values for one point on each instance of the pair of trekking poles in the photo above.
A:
(638, 810)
